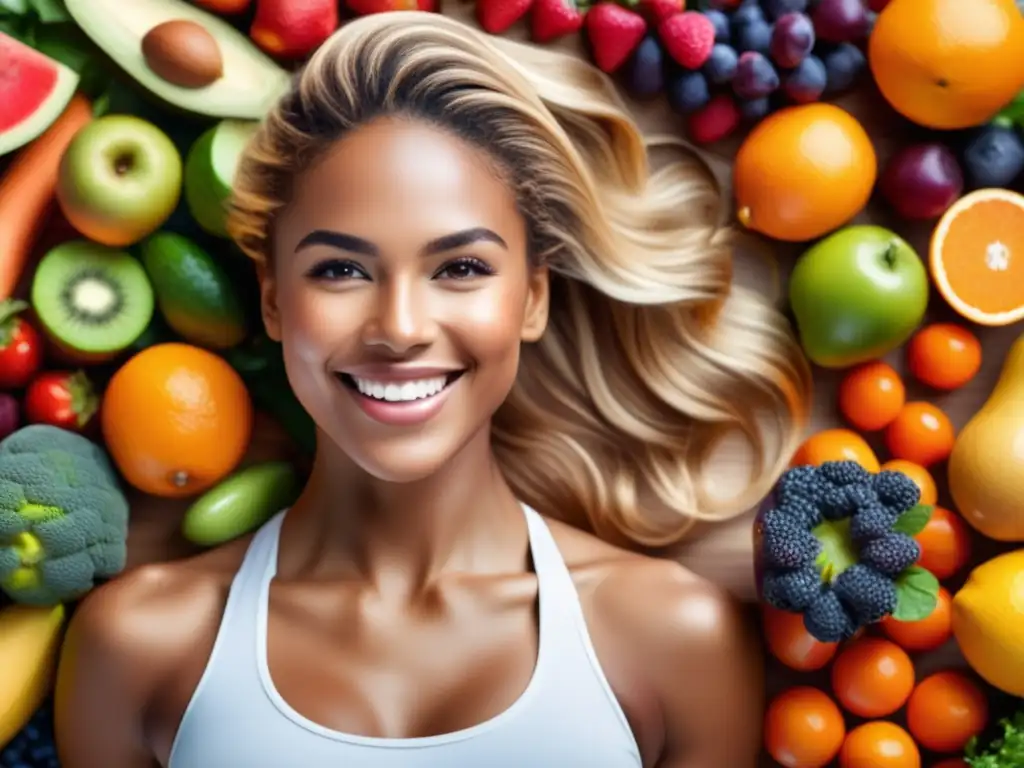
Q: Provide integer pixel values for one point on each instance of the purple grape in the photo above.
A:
(807, 82)
(688, 93)
(792, 40)
(776, 9)
(841, 21)
(721, 65)
(9, 415)
(645, 71)
(755, 76)
(844, 65)
(755, 36)
(753, 110)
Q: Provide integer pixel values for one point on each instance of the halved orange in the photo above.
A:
(977, 256)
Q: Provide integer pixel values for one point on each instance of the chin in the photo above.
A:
(402, 460)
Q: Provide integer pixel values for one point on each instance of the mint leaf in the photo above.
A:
(14, 7)
(49, 11)
(913, 521)
(917, 592)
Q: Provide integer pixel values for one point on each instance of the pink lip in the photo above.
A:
(398, 372)
(403, 414)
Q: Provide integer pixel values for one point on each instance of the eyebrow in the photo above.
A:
(353, 244)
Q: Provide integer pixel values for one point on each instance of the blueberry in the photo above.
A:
(774, 9)
(994, 157)
(753, 110)
(755, 36)
(688, 93)
(844, 64)
(806, 83)
(747, 13)
(755, 76)
(645, 71)
(721, 24)
(721, 65)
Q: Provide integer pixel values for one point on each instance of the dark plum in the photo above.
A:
(720, 67)
(9, 415)
(756, 36)
(792, 40)
(806, 83)
(921, 181)
(844, 65)
(645, 71)
(994, 157)
(776, 9)
(840, 21)
(755, 76)
(752, 110)
(688, 93)
(721, 24)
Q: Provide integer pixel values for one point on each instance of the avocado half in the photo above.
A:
(251, 82)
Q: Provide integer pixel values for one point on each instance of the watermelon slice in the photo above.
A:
(34, 90)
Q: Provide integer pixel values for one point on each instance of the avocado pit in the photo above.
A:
(183, 53)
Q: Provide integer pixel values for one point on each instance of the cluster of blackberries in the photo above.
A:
(33, 746)
(829, 550)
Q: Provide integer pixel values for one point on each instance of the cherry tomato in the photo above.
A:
(21, 349)
(946, 710)
(872, 677)
(803, 728)
(792, 644)
(927, 634)
(61, 399)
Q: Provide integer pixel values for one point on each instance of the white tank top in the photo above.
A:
(567, 717)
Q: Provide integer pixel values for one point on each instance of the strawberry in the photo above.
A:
(656, 11)
(688, 37)
(719, 118)
(366, 7)
(496, 16)
(552, 19)
(614, 33)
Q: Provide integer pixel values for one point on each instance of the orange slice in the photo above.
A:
(977, 256)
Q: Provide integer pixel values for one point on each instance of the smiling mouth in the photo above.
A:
(398, 392)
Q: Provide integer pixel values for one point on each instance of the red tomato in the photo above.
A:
(21, 349)
(61, 399)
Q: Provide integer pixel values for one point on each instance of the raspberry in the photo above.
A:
(688, 38)
(716, 121)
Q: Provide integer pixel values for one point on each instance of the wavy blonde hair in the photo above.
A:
(652, 353)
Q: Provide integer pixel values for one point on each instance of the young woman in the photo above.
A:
(489, 306)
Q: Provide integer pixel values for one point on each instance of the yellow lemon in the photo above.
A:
(988, 621)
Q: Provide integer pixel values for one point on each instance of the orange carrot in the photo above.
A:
(27, 189)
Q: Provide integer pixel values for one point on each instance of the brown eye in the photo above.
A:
(463, 269)
(337, 269)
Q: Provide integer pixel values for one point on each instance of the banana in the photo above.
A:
(30, 639)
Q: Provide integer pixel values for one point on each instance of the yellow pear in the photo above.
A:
(986, 468)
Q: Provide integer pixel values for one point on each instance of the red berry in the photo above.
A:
(552, 19)
(688, 38)
(496, 16)
(614, 33)
(656, 11)
(716, 121)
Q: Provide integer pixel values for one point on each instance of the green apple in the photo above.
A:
(857, 295)
(210, 171)
(119, 180)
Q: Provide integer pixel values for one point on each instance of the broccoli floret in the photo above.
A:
(63, 520)
(896, 490)
(869, 595)
(891, 553)
(792, 590)
(827, 620)
(871, 521)
(786, 543)
(845, 473)
(803, 482)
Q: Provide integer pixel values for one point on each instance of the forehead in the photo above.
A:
(398, 179)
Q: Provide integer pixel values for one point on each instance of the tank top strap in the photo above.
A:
(560, 614)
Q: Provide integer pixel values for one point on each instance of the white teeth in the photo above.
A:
(406, 391)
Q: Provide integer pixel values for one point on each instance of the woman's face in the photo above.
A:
(401, 292)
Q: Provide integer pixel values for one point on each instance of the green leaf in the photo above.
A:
(14, 7)
(913, 521)
(50, 11)
(917, 592)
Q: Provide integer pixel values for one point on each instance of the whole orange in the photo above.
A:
(946, 710)
(872, 677)
(948, 64)
(945, 544)
(790, 642)
(803, 728)
(803, 172)
(879, 744)
(944, 356)
(921, 477)
(836, 445)
(921, 433)
(926, 634)
(871, 396)
(176, 419)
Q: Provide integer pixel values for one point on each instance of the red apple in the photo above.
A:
(921, 181)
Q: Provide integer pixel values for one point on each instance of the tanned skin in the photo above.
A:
(427, 555)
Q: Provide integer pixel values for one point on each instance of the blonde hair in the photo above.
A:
(652, 353)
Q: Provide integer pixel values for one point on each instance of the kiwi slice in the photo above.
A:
(91, 298)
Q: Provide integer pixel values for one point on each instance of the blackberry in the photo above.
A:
(827, 620)
(871, 521)
(802, 511)
(845, 473)
(801, 482)
(896, 490)
(869, 595)
(792, 591)
(891, 554)
(862, 495)
(837, 504)
(786, 543)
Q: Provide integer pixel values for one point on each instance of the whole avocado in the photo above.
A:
(857, 295)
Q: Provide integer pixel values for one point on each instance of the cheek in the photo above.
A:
(488, 327)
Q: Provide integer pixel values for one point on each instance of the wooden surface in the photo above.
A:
(724, 553)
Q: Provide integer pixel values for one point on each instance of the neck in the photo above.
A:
(403, 536)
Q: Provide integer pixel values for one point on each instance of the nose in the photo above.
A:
(401, 320)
